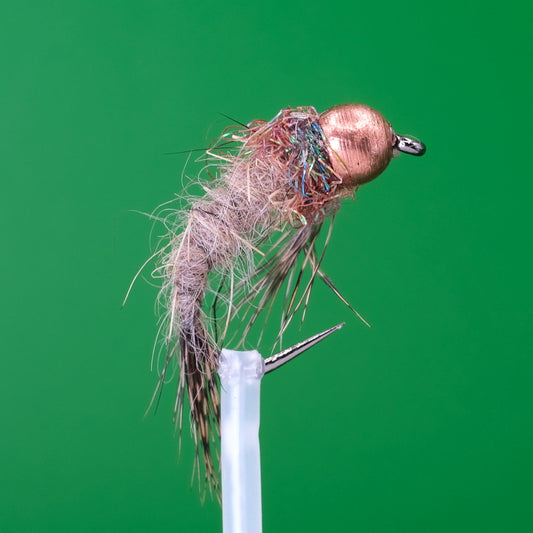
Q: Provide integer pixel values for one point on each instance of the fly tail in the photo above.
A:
(199, 361)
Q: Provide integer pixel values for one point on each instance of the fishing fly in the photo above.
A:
(254, 231)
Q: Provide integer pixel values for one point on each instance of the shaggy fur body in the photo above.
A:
(280, 177)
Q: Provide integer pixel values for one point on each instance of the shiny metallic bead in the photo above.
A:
(361, 142)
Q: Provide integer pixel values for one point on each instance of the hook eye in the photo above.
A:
(409, 146)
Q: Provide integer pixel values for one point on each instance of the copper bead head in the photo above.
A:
(360, 142)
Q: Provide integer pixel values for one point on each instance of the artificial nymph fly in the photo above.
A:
(280, 178)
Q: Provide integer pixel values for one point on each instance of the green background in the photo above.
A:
(422, 422)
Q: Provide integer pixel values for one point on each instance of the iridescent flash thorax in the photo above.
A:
(295, 145)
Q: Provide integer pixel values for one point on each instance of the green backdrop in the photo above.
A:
(422, 422)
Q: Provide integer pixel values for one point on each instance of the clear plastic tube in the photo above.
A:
(240, 376)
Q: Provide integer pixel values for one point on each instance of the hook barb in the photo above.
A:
(275, 361)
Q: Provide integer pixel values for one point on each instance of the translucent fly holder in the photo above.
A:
(240, 376)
